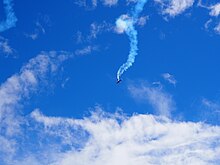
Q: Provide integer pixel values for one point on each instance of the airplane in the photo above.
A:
(118, 81)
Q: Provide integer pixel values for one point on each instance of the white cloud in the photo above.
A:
(39, 29)
(170, 78)
(87, 4)
(207, 24)
(211, 105)
(174, 7)
(109, 2)
(142, 20)
(217, 28)
(7, 145)
(92, 4)
(5, 48)
(215, 10)
(86, 50)
(18, 87)
(81, 3)
(65, 81)
(139, 139)
(161, 101)
(95, 30)
(79, 37)
(128, 2)
(208, 110)
(41, 24)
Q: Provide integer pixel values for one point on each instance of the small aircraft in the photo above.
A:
(118, 81)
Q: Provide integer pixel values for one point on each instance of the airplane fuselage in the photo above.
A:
(118, 81)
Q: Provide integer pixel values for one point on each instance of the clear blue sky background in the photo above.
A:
(180, 45)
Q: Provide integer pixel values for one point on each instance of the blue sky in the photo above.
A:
(59, 101)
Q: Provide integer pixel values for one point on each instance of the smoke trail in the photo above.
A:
(125, 23)
(10, 16)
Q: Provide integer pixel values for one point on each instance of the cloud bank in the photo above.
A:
(100, 138)
(118, 139)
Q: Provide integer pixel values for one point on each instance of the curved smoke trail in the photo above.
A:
(126, 24)
(10, 16)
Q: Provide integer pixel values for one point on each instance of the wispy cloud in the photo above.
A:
(19, 86)
(15, 90)
(109, 2)
(214, 11)
(92, 4)
(86, 4)
(10, 16)
(95, 30)
(170, 78)
(142, 20)
(65, 81)
(41, 24)
(161, 101)
(86, 50)
(174, 7)
(208, 110)
(5, 48)
(87, 41)
(37, 31)
(207, 24)
(213, 106)
(217, 28)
